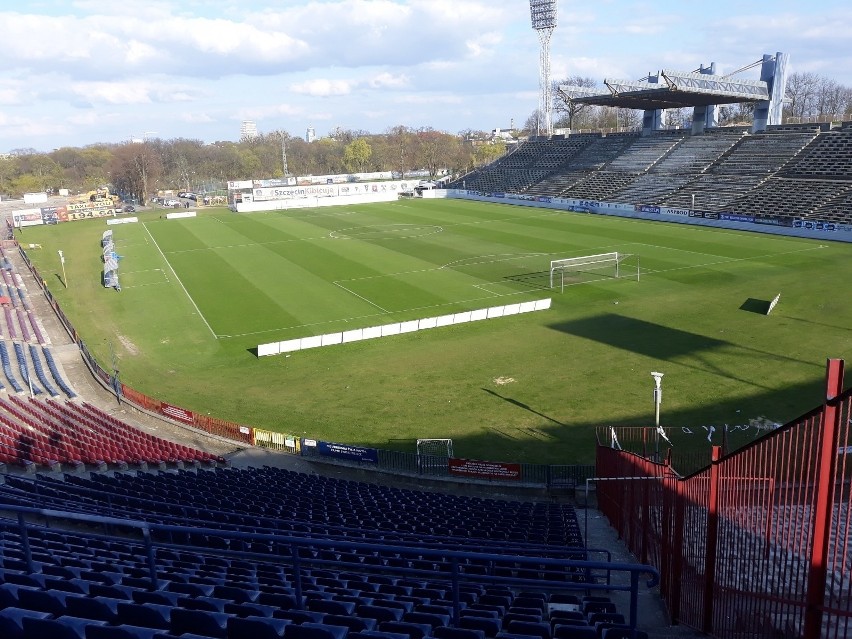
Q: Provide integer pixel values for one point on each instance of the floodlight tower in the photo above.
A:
(543, 14)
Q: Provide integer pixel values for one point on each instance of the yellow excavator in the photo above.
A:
(99, 194)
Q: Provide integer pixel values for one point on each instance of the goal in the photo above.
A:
(601, 265)
(433, 455)
(435, 447)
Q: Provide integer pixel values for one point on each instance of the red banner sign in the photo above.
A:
(484, 469)
(178, 414)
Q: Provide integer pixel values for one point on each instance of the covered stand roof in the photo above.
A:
(670, 90)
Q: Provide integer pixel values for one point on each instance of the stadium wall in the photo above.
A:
(728, 220)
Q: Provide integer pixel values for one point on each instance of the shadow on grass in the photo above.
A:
(752, 305)
(526, 407)
(638, 336)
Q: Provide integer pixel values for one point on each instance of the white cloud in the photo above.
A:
(323, 87)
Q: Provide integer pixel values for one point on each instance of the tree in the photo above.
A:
(569, 112)
(801, 94)
(356, 155)
(487, 153)
(533, 124)
(402, 143)
(136, 168)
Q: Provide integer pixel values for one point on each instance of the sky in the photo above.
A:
(98, 71)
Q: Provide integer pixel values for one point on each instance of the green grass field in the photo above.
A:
(198, 295)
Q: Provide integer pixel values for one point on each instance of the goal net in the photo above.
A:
(434, 454)
(591, 267)
(435, 447)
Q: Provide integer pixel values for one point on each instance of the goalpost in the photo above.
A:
(601, 262)
(434, 454)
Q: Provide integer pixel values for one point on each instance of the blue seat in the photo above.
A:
(203, 622)
(332, 607)
(145, 615)
(376, 634)
(355, 624)
(539, 629)
(489, 626)
(278, 599)
(446, 632)
(256, 628)
(103, 608)
(12, 621)
(52, 602)
(191, 589)
(123, 631)
(574, 632)
(413, 630)
(155, 596)
(64, 627)
(379, 612)
(115, 591)
(315, 631)
(431, 619)
(299, 616)
(623, 632)
(237, 595)
(249, 610)
(210, 604)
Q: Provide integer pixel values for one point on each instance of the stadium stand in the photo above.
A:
(7, 368)
(790, 171)
(302, 578)
(49, 433)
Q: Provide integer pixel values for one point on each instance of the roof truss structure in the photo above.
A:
(670, 90)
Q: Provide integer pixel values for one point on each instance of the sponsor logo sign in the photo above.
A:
(176, 413)
(345, 451)
(645, 208)
(736, 217)
(484, 469)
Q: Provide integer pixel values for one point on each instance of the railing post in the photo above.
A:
(297, 575)
(677, 549)
(456, 593)
(152, 560)
(825, 476)
(25, 542)
(712, 541)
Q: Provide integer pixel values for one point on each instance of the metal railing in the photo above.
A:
(756, 543)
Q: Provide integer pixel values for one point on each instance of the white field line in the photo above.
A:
(351, 292)
(177, 279)
(124, 286)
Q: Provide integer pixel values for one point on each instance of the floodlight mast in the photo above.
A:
(543, 15)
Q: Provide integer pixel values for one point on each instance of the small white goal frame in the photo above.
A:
(593, 261)
(435, 447)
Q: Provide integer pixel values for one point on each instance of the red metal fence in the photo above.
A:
(757, 544)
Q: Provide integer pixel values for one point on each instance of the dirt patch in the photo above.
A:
(502, 381)
(129, 346)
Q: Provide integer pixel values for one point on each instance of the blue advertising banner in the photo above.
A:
(735, 217)
(345, 451)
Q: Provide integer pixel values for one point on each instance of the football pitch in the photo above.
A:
(199, 294)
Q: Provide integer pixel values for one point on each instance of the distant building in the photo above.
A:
(310, 135)
(248, 130)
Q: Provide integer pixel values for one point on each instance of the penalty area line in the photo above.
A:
(177, 279)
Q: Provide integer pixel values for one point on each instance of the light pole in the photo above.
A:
(658, 398)
(62, 261)
(693, 201)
